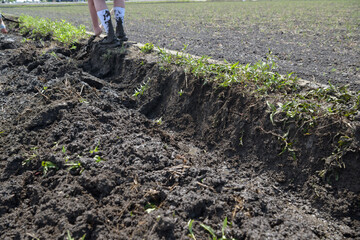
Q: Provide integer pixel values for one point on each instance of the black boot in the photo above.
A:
(110, 38)
(120, 33)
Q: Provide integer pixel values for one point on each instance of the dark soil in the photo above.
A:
(317, 58)
(59, 106)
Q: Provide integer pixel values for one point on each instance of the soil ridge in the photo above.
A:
(80, 153)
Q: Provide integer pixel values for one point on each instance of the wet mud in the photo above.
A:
(80, 154)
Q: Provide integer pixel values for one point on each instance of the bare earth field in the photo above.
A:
(318, 40)
(79, 154)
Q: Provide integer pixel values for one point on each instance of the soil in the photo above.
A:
(318, 58)
(151, 164)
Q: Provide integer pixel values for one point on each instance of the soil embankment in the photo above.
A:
(80, 153)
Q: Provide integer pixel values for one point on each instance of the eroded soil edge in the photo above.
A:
(214, 155)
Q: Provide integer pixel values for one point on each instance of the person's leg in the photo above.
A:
(94, 18)
(2, 25)
(100, 5)
(119, 11)
(119, 3)
(105, 18)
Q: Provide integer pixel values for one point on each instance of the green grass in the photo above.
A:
(47, 165)
(147, 48)
(61, 31)
(209, 230)
(141, 89)
(69, 237)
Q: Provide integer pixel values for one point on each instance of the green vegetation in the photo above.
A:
(83, 100)
(61, 31)
(210, 230)
(261, 76)
(74, 165)
(97, 157)
(149, 207)
(147, 48)
(159, 121)
(190, 226)
(69, 237)
(95, 150)
(31, 156)
(141, 90)
(47, 165)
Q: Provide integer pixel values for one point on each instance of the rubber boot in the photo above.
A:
(110, 38)
(120, 33)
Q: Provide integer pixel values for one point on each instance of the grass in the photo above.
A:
(190, 227)
(69, 237)
(30, 156)
(47, 165)
(74, 165)
(142, 89)
(261, 76)
(95, 150)
(61, 31)
(209, 230)
(147, 48)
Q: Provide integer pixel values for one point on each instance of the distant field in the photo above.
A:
(316, 39)
(297, 17)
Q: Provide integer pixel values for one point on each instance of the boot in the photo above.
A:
(120, 33)
(110, 38)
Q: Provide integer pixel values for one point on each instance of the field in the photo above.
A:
(133, 142)
(317, 40)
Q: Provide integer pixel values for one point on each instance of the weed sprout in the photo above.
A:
(147, 48)
(141, 90)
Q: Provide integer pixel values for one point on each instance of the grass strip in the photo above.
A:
(61, 31)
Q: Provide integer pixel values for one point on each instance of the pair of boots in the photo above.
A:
(112, 36)
(120, 33)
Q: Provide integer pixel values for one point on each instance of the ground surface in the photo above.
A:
(148, 165)
(318, 41)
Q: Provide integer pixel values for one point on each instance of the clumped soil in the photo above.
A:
(152, 163)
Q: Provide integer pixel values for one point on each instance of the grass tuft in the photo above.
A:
(61, 31)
